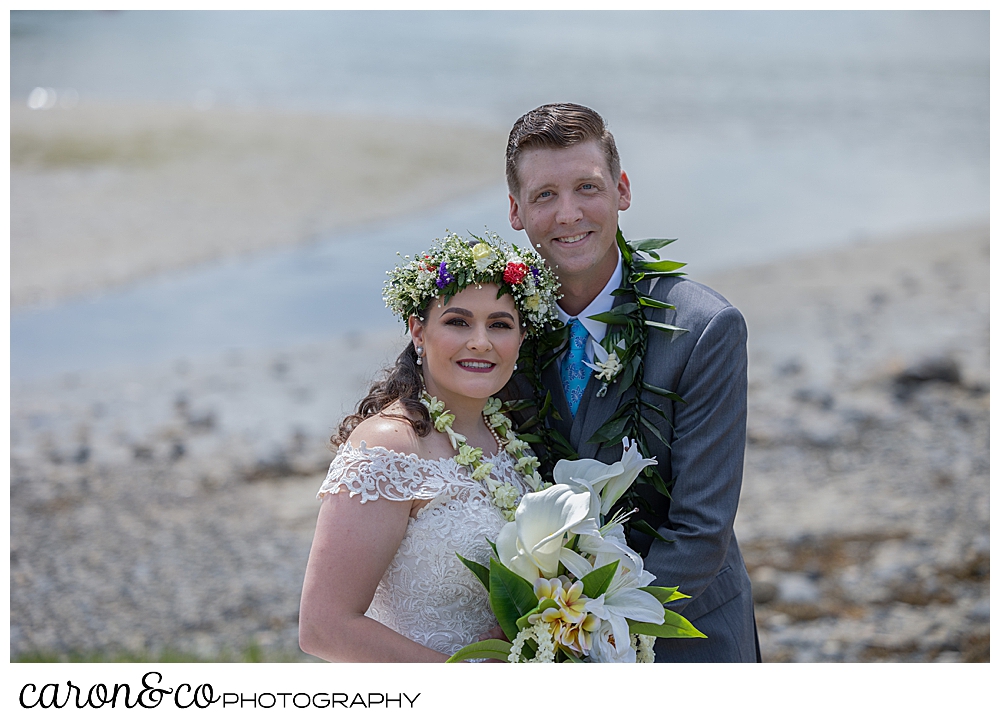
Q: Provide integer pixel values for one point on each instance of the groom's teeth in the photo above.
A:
(571, 239)
(477, 365)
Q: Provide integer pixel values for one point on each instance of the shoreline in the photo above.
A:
(103, 195)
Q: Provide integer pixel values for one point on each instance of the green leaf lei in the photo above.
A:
(627, 338)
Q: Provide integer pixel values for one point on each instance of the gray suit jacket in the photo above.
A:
(707, 367)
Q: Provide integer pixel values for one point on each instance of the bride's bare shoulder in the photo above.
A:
(389, 429)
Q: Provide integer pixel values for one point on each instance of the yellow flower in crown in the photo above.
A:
(483, 256)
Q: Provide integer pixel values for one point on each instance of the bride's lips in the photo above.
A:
(478, 366)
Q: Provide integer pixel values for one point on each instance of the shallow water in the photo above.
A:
(747, 136)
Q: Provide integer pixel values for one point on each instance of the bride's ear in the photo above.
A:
(416, 330)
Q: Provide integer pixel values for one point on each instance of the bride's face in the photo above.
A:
(470, 344)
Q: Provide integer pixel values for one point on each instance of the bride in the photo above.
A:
(428, 466)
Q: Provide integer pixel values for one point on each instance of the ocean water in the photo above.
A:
(747, 135)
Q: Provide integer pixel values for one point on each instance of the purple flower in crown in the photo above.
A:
(535, 272)
(444, 277)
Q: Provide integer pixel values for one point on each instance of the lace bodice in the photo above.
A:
(427, 594)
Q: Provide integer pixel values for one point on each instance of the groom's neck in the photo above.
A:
(578, 291)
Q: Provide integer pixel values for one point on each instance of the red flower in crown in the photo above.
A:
(515, 273)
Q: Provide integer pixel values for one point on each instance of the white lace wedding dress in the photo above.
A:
(427, 594)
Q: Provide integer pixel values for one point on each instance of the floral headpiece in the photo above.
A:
(453, 263)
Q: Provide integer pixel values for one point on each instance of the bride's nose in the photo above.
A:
(480, 340)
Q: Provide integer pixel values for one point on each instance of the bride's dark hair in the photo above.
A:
(403, 383)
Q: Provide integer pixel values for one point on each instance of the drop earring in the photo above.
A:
(420, 356)
(515, 366)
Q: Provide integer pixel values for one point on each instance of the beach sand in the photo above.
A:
(172, 507)
(103, 195)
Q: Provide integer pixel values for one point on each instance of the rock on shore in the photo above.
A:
(172, 508)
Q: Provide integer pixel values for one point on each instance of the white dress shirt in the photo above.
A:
(601, 303)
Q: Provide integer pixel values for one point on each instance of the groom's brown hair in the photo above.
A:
(558, 125)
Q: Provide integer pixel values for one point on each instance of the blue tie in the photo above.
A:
(574, 371)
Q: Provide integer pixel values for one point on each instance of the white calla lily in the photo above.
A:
(534, 541)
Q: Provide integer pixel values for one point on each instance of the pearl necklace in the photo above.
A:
(505, 496)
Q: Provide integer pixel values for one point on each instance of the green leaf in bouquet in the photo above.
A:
(480, 571)
(674, 626)
(493, 546)
(511, 596)
(492, 648)
(647, 529)
(664, 594)
(568, 657)
(596, 582)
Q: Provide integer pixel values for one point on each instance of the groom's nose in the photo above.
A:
(568, 210)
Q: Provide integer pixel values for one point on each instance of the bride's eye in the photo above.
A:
(456, 321)
(501, 325)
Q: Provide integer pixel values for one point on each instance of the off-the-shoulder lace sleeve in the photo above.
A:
(374, 472)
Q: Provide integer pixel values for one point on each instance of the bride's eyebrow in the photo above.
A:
(468, 314)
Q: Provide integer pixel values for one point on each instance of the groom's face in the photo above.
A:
(568, 205)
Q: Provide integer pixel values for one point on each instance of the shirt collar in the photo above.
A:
(601, 303)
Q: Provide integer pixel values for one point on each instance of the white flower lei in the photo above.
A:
(505, 496)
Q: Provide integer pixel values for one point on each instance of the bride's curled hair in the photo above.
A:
(402, 382)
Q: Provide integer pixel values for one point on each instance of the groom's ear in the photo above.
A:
(515, 218)
(624, 193)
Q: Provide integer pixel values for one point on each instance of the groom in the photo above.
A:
(566, 189)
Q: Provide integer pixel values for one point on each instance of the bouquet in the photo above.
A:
(565, 586)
